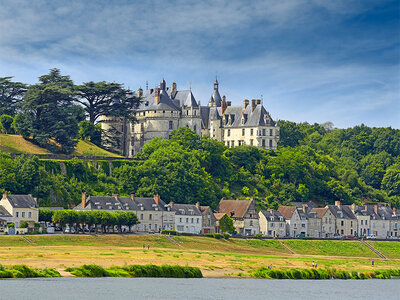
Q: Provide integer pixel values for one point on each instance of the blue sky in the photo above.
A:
(312, 60)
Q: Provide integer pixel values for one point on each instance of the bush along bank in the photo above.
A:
(265, 272)
(167, 271)
(23, 271)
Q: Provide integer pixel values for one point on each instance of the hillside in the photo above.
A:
(215, 258)
(17, 144)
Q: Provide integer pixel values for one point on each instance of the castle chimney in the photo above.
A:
(258, 101)
(198, 205)
(245, 103)
(338, 203)
(132, 196)
(157, 96)
(157, 198)
(140, 92)
(83, 200)
(253, 104)
(223, 104)
(173, 87)
(376, 208)
(228, 103)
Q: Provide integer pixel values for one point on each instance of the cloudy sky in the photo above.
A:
(311, 60)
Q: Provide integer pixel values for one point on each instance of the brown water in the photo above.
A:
(206, 288)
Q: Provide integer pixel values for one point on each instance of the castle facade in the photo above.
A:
(164, 109)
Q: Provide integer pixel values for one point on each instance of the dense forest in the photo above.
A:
(313, 162)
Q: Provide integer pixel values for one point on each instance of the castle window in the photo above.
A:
(270, 143)
(263, 132)
(251, 131)
(243, 131)
(194, 127)
(187, 112)
(251, 142)
(263, 143)
(163, 111)
(194, 112)
(233, 143)
(229, 132)
(271, 132)
(170, 125)
(155, 111)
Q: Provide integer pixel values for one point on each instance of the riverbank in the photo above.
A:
(215, 258)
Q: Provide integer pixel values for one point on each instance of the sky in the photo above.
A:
(310, 60)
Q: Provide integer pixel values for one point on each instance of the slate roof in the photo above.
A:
(186, 209)
(342, 212)
(165, 103)
(22, 201)
(4, 213)
(205, 115)
(204, 209)
(183, 98)
(383, 213)
(287, 211)
(310, 205)
(238, 207)
(268, 214)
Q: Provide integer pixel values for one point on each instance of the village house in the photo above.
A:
(5, 217)
(272, 223)
(314, 228)
(328, 221)
(296, 220)
(346, 221)
(188, 218)
(363, 219)
(21, 208)
(153, 214)
(208, 219)
(381, 217)
(243, 213)
(395, 224)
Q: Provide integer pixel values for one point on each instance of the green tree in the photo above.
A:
(49, 108)
(226, 224)
(89, 131)
(11, 95)
(6, 123)
(45, 215)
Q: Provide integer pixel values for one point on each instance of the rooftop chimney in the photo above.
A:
(35, 199)
(83, 200)
(198, 205)
(140, 92)
(171, 204)
(304, 207)
(5, 196)
(223, 104)
(245, 103)
(376, 208)
(253, 104)
(338, 203)
(132, 196)
(115, 196)
(157, 198)
(157, 96)
(394, 211)
(228, 103)
(258, 101)
(353, 207)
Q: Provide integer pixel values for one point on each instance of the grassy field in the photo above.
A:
(216, 258)
(16, 144)
(330, 248)
(388, 249)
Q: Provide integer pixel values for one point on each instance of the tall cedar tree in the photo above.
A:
(49, 113)
(11, 94)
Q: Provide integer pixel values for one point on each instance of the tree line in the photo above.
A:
(52, 113)
(91, 219)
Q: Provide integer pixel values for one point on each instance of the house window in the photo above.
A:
(194, 127)
(251, 142)
(170, 125)
(366, 222)
(263, 132)
(149, 226)
(229, 132)
(192, 220)
(171, 218)
(155, 227)
(251, 223)
(23, 214)
(243, 131)
(141, 216)
(272, 224)
(351, 223)
(150, 216)
(198, 220)
(29, 215)
(251, 131)
(303, 225)
(362, 221)
(180, 220)
(156, 217)
(187, 220)
(17, 214)
(342, 223)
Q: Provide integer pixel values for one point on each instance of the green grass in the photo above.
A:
(17, 144)
(330, 248)
(389, 249)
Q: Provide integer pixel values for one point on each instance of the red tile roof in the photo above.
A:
(287, 211)
(239, 207)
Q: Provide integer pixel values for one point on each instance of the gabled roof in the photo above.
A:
(342, 212)
(237, 207)
(186, 209)
(22, 201)
(4, 213)
(287, 211)
(204, 209)
(258, 117)
(184, 98)
(218, 216)
(147, 101)
(268, 214)
(320, 212)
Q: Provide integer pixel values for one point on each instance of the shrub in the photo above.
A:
(26, 271)
(218, 236)
(209, 235)
(186, 233)
(12, 225)
(258, 236)
(226, 236)
(24, 224)
(88, 271)
(171, 232)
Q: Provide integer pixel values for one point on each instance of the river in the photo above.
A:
(206, 288)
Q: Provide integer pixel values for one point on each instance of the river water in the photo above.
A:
(205, 288)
